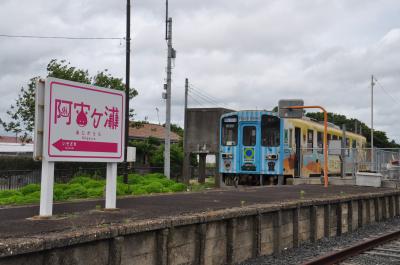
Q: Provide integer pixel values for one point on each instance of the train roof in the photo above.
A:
(256, 114)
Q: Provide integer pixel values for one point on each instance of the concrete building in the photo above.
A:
(202, 137)
(147, 130)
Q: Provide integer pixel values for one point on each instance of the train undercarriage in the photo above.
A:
(254, 179)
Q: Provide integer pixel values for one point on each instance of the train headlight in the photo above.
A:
(227, 155)
(271, 157)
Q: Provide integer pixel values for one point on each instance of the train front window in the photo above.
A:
(249, 136)
(229, 131)
(270, 130)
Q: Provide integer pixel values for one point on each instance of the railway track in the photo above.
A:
(383, 249)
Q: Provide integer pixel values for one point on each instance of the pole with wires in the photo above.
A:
(186, 154)
(127, 72)
(171, 55)
(372, 124)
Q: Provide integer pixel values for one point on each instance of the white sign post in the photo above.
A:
(82, 123)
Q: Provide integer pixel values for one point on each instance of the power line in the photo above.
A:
(59, 37)
(194, 99)
(202, 93)
(208, 97)
(203, 97)
(387, 93)
(199, 99)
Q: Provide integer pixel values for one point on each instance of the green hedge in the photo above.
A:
(85, 187)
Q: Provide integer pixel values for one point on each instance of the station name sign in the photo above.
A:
(82, 122)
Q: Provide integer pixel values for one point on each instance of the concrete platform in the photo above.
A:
(336, 181)
(213, 227)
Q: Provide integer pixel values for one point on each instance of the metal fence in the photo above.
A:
(348, 161)
(16, 179)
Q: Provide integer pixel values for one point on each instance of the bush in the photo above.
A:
(155, 187)
(166, 182)
(76, 191)
(95, 192)
(10, 200)
(135, 179)
(122, 189)
(5, 194)
(80, 180)
(166, 190)
(85, 187)
(178, 187)
(27, 199)
(30, 198)
(137, 190)
(31, 188)
(59, 194)
(92, 184)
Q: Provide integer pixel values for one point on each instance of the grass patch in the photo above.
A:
(81, 187)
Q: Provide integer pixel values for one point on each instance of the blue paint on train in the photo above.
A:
(249, 146)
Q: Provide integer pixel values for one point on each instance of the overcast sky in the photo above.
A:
(241, 54)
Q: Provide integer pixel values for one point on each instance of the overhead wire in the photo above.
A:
(200, 99)
(198, 95)
(59, 37)
(206, 97)
(195, 100)
(203, 94)
(386, 92)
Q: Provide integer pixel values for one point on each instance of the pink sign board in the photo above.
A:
(83, 122)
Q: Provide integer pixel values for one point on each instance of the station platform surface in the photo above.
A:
(69, 216)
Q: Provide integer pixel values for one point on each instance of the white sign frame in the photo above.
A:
(43, 118)
(60, 142)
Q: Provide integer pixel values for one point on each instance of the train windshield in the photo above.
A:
(229, 131)
(270, 130)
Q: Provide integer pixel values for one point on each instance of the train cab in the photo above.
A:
(250, 147)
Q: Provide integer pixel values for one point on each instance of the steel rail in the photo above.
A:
(338, 256)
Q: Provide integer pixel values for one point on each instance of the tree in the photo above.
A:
(22, 113)
(380, 138)
(145, 149)
(177, 129)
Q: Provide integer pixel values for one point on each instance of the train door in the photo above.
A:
(297, 164)
(249, 158)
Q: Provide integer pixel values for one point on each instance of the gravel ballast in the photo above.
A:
(309, 251)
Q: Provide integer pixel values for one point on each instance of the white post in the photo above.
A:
(46, 189)
(111, 186)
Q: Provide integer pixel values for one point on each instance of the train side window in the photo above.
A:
(347, 142)
(249, 136)
(320, 141)
(310, 139)
(229, 131)
(286, 136)
(334, 137)
(290, 138)
(354, 143)
(270, 130)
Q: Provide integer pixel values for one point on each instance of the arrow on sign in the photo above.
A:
(85, 146)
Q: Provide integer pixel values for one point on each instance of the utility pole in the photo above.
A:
(171, 55)
(127, 72)
(343, 151)
(372, 124)
(186, 154)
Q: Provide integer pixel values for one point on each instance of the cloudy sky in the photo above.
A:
(237, 54)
